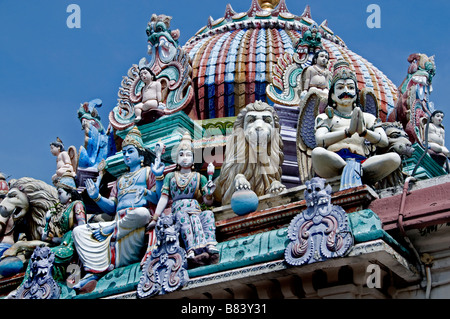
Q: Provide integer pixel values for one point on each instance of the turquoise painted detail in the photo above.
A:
(428, 167)
(366, 226)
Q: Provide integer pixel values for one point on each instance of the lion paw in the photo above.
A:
(276, 187)
(240, 182)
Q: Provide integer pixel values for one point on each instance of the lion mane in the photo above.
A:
(41, 197)
(242, 159)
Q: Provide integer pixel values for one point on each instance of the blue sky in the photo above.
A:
(47, 69)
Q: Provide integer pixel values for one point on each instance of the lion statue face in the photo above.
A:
(42, 261)
(15, 204)
(316, 194)
(254, 149)
(166, 230)
(29, 199)
(158, 28)
(258, 127)
(398, 139)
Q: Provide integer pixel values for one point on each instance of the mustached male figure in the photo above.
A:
(345, 136)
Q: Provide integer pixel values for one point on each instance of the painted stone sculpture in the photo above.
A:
(307, 69)
(255, 150)
(311, 40)
(6, 223)
(98, 145)
(165, 270)
(40, 284)
(433, 132)
(244, 200)
(345, 137)
(102, 247)
(60, 223)
(186, 188)
(320, 232)
(66, 161)
(398, 142)
(166, 91)
(26, 204)
(4, 187)
(414, 96)
(317, 76)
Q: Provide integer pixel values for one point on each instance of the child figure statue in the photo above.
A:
(185, 187)
(64, 160)
(436, 134)
(151, 94)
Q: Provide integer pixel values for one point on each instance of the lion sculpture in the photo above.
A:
(399, 143)
(27, 203)
(253, 154)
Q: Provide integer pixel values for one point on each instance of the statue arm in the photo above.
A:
(80, 214)
(208, 188)
(373, 132)
(107, 205)
(377, 137)
(325, 138)
(158, 91)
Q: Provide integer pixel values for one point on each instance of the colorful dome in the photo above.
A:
(232, 57)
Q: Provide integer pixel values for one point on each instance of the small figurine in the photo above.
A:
(150, 92)
(317, 75)
(436, 134)
(108, 245)
(65, 160)
(98, 143)
(184, 187)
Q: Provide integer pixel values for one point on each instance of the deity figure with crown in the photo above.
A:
(104, 246)
(186, 187)
(341, 133)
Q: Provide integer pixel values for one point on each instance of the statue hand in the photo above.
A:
(158, 169)
(150, 225)
(361, 125)
(92, 189)
(139, 194)
(210, 188)
(356, 121)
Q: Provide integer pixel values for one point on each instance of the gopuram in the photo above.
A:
(262, 159)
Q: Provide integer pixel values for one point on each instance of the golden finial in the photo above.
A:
(268, 4)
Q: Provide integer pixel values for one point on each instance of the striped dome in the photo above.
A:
(232, 58)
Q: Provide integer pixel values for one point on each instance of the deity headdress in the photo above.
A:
(58, 143)
(134, 137)
(342, 71)
(186, 142)
(66, 181)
